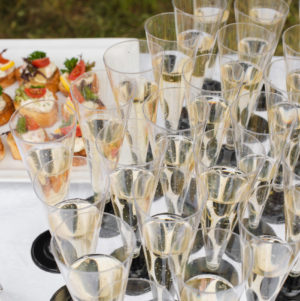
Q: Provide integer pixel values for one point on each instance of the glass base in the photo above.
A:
(138, 267)
(61, 294)
(41, 255)
(109, 208)
(290, 290)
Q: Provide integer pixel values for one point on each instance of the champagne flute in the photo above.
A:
(168, 223)
(87, 272)
(227, 176)
(98, 112)
(266, 13)
(208, 16)
(134, 71)
(274, 253)
(178, 44)
(44, 131)
(67, 191)
(242, 64)
(199, 282)
(256, 117)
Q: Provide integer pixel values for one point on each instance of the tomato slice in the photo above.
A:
(3, 60)
(77, 95)
(35, 92)
(78, 70)
(78, 131)
(31, 124)
(40, 63)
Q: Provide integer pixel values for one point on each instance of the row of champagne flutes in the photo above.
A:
(148, 141)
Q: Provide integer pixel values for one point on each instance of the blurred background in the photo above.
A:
(88, 18)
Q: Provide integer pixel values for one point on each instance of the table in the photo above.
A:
(22, 219)
(22, 216)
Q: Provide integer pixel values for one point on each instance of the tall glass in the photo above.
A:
(88, 271)
(67, 191)
(274, 253)
(199, 282)
(179, 43)
(242, 64)
(98, 112)
(208, 16)
(168, 223)
(268, 117)
(44, 131)
(267, 13)
(227, 176)
(134, 71)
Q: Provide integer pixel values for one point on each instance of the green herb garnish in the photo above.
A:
(37, 87)
(1, 90)
(89, 66)
(70, 64)
(88, 94)
(20, 95)
(21, 125)
(36, 55)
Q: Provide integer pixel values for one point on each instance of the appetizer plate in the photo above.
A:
(58, 50)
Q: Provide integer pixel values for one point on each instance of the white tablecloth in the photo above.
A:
(22, 219)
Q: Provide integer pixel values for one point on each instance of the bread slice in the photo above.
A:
(43, 119)
(13, 147)
(50, 83)
(8, 80)
(8, 109)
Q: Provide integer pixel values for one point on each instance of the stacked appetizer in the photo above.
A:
(39, 70)
(40, 79)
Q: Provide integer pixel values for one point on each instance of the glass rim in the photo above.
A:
(160, 39)
(268, 32)
(206, 16)
(282, 2)
(131, 40)
(150, 217)
(251, 94)
(99, 200)
(193, 60)
(163, 129)
(243, 248)
(55, 141)
(118, 106)
(284, 39)
(266, 77)
(122, 263)
(259, 238)
(243, 175)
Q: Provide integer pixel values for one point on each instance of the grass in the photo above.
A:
(86, 18)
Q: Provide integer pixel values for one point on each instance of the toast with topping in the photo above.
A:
(6, 107)
(38, 70)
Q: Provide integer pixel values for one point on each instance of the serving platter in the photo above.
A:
(57, 50)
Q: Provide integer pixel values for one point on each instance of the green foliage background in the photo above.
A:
(86, 18)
